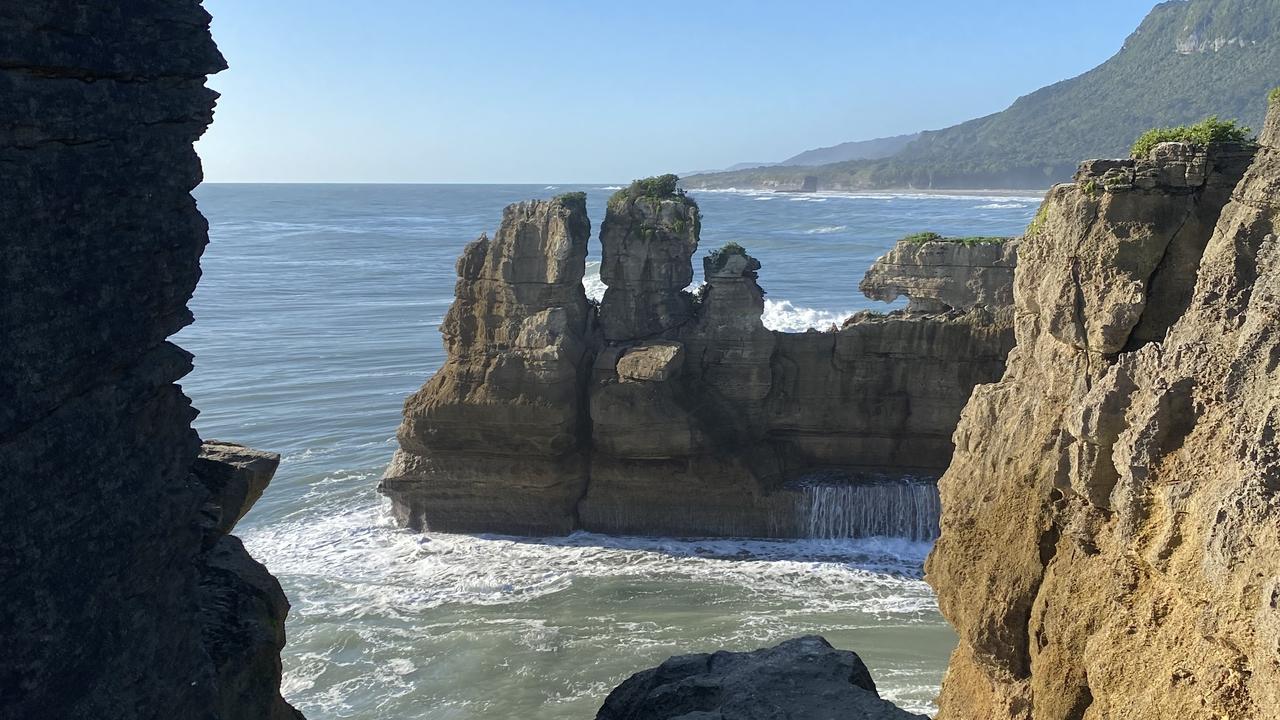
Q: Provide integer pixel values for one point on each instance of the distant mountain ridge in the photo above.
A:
(857, 150)
(1188, 59)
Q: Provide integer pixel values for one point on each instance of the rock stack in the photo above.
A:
(663, 412)
(496, 440)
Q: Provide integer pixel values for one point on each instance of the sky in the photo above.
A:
(602, 91)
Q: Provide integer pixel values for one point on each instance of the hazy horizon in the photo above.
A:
(507, 93)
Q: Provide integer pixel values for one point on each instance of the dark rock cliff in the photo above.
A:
(662, 412)
(123, 597)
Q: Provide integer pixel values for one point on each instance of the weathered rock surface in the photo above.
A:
(103, 568)
(1111, 520)
(689, 417)
(235, 477)
(649, 234)
(801, 679)
(942, 275)
(496, 440)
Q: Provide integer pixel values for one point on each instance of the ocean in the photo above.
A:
(317, 315)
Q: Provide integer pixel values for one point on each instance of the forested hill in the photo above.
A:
(1188, 59)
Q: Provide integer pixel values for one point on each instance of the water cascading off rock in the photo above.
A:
(906, 508)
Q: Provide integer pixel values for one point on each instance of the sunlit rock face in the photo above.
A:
(941, 275)
(123, 595)
(496, 441)
(1110, 518)
(664, 412)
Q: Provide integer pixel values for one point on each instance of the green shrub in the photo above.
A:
(729, 248)
(661, 187)
(921, 238)
(1274, 95)
(1209, 130)
(572, 198)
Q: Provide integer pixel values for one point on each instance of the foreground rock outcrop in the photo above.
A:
(801, 679)
(661, 411)
(1111, 519)
(121, 598)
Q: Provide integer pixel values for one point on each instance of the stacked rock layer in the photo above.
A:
(1111, 519)
(123, 596)
(661, 412)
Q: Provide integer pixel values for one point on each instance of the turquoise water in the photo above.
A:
(317, 315)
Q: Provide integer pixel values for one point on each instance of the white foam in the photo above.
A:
(885, 195)
(783, 316)
(826, 230)
(374, 568)
(592, 283)
(999, 206)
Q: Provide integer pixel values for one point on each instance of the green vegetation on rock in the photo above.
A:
(578, 199)
(660, 187)
(1274, 95)
(921, 238)
(718, 255)
(1038, 223)
(1186, 61)
(1209, 130)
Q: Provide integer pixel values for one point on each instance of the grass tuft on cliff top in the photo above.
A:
(578, 199)
(729, 248)
(1274, 95)
(1209, 130)
(921, 238)
(660, 187)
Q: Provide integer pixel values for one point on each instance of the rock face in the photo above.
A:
(941, 275)
(496, 440)
(108, 564)
(1111, 518)
(242, 607)
(235, 477)
(649, 234)
(801, 679)
(663, 412)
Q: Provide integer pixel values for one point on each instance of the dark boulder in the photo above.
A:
(801, 679)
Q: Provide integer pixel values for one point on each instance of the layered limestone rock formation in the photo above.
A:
(801, 679)
(938, 275)
(1111, 519)
(649, 234)
(662, 412)
(121, 598)
(497, 439)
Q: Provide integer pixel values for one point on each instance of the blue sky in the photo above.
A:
(578, 91)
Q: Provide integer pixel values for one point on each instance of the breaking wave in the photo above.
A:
(386, 622)
(826, 230)
(783, 316)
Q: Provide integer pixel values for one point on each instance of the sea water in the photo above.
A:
(317, 315)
